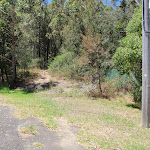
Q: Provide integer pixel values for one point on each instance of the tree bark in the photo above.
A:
(39, 45)
(6, 75)
(2, 75)
(13, 45)
(100, 87)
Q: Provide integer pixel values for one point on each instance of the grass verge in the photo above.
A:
(30, 104)
(105, 124)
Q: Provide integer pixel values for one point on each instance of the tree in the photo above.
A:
(97, 58)
(128, 57)
(14, 24)
(9, 17)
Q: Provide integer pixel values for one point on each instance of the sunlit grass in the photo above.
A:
(30, 104)
(104, 124)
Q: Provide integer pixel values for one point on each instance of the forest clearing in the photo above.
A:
(72, 69)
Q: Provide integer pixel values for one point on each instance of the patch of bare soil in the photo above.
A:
(40, 82)
(67, 132)
(44, 81)
(42, 78)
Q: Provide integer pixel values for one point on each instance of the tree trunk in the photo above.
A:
(13, 45)
(100, 87)
(6, 75)
(2, 73)
(39, 45)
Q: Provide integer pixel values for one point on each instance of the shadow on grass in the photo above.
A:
(29, 88)
(136, 106)
(33, 88)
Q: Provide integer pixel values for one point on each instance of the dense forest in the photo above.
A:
(86, 40)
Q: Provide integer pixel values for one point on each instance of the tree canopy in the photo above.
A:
(34, 33)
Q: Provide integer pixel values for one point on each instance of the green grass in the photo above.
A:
(105, 124)
(30, 104)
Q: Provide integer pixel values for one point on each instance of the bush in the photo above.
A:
(113, 85)
(128, 57)
(65, 64)
(112, 88)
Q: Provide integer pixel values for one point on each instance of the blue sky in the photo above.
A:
(48, 1)
(109, 2)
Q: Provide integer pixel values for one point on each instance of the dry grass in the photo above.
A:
(38, 145)
(31, 130)
(105, 124)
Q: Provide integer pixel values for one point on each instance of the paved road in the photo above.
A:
(10, 139)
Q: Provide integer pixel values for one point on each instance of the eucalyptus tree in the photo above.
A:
(8, 15)
(14, 26)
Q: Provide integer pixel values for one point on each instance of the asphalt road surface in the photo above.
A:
(10, 139)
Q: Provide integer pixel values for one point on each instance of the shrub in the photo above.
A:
(65, 64)
(128, 57)
(112, 85)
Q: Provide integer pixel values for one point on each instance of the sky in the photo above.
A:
(118, 2)
(109, 2)
(48, 1)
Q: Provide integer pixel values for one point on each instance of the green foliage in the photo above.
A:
(24, 53)
(58, 21)
(72, 38)
(53, 33)
(74, 7)
(65, 63)
(135, 25)
(128, 57)
(35, 63)
(2, 22)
